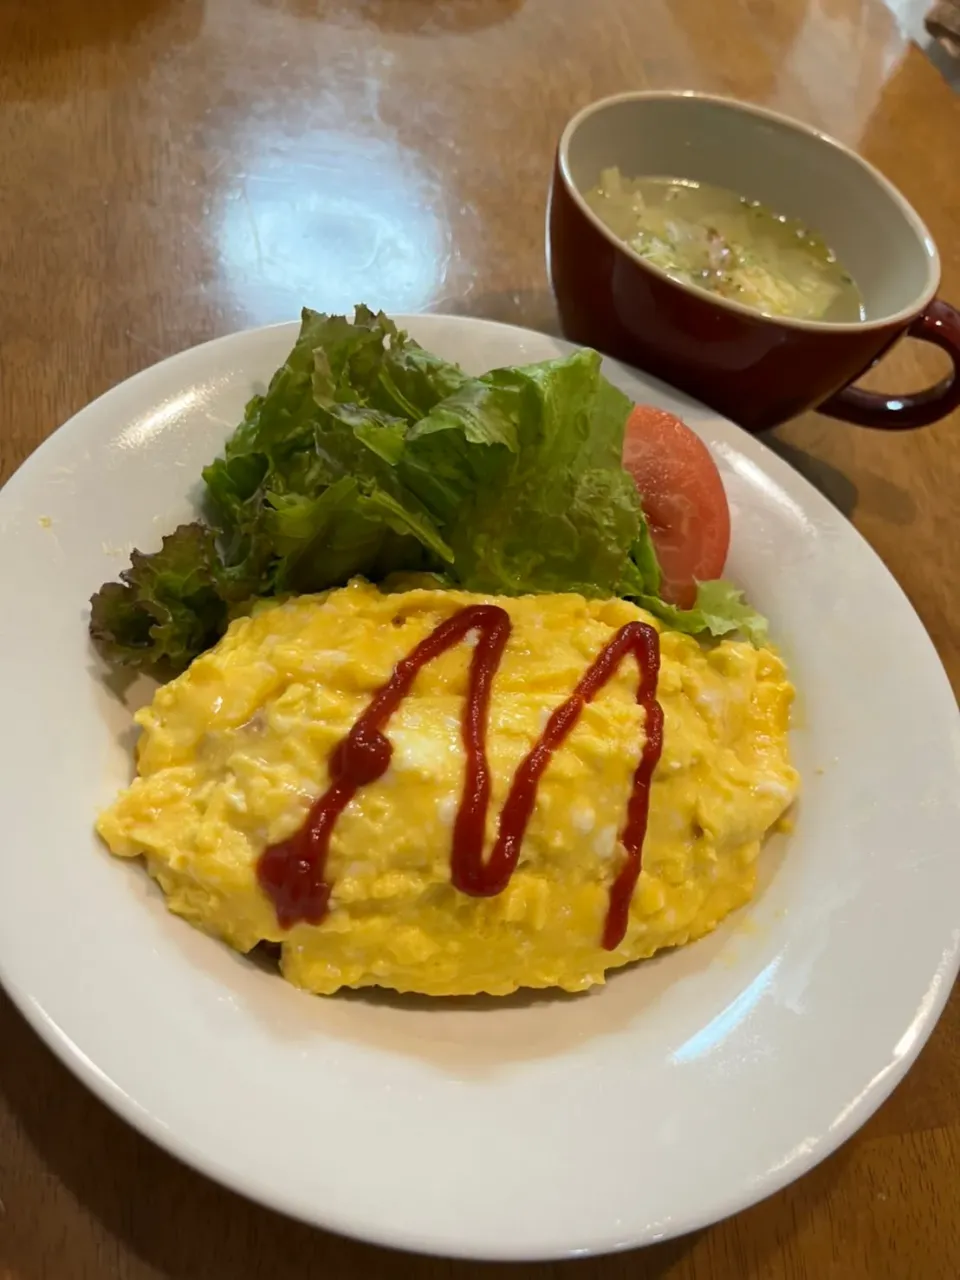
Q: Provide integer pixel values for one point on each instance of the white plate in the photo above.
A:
(689, 1087)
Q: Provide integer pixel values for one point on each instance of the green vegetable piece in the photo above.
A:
(167, 607)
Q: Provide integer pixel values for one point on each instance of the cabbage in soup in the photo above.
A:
(712, 238)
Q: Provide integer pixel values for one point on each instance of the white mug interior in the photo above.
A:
(787, 166)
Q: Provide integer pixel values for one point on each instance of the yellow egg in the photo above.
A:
(235, 751)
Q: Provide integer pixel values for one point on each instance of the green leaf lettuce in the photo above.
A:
(368, 455)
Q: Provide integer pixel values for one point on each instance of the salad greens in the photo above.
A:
(368, 455)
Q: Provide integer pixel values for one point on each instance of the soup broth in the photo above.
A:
(719, 241)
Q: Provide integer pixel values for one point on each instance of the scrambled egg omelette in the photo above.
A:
(234, 752)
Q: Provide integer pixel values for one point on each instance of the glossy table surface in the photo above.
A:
(176, 169)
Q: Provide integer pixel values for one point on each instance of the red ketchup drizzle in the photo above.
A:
(291, 873)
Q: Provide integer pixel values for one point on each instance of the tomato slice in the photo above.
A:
(683, 499)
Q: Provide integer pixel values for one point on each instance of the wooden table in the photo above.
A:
(176, 169)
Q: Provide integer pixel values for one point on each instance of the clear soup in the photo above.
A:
(719, 241)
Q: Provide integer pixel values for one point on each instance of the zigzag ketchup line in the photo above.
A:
(292, 873)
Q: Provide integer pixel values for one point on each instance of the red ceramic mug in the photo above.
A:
(758, 370)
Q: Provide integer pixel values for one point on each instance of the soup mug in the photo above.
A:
(757, 369)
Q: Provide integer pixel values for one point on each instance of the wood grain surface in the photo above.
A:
(171, 170)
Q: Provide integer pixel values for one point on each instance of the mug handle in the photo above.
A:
(938, 323)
